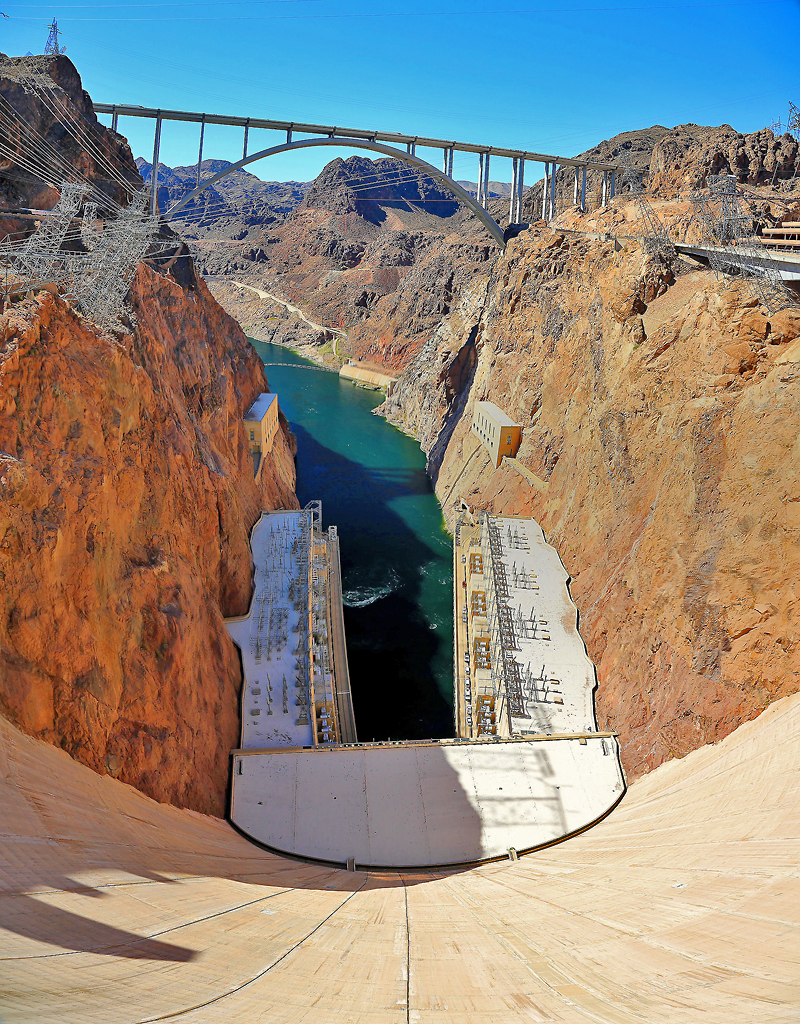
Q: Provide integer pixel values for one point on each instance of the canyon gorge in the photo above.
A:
(658, 405)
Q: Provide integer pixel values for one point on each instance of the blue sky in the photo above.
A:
(549, 78)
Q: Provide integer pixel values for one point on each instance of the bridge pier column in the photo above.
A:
(520, 184)
(485, 202)
(200, 152)
(553, 191)
(604, 195)
(246, 131)
(411, 148)
(545, 190)
(583, 190)
(114, 118)
(575, 190)
(479, 193)
(449, 171)
(288, 136)
(613, 182)
(512, 206)
(154, 171)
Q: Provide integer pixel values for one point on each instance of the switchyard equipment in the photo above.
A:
(521, 667)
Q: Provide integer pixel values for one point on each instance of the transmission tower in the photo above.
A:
(89, 229)
(727, 230)
(51, 47)
(40, 261)
(793, 122)
(106, 275)
(775, 127)
(656, 239)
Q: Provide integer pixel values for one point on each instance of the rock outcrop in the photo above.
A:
(34, 139)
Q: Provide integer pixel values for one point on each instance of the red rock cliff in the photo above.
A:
(126, 496)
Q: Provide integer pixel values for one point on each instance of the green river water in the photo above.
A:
(396, 553)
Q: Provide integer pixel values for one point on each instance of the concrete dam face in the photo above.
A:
(681, 906)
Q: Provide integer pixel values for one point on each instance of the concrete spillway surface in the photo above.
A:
(273, 636)
(683, 906)
(423, 805)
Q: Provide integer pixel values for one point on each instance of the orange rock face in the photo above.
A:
(126, 497)
(661, 415)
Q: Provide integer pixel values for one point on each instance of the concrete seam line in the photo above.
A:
(408, 955)
(244, 984)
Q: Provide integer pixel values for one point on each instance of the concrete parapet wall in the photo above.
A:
(425, 805)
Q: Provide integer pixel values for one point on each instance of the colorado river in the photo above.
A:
(396, 554)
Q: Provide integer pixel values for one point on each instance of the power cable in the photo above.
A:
(431, 14)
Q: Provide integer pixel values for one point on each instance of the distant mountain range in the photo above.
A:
(239, 195)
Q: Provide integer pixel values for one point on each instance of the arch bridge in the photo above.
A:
(392, 144)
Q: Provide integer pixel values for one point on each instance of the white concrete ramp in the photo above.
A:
(423, 805)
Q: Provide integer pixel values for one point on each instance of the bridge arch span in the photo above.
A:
(377, 147)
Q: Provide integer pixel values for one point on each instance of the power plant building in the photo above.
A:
(261, 426)
(498, 433)
(526, 766)
(521, 667)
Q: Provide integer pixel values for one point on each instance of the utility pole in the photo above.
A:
(793, 124)
(51, 46)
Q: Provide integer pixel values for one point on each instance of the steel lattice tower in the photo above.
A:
(51, 46)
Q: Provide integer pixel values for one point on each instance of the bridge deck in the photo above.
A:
(299, 128)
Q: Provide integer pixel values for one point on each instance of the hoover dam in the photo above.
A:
(511, 735)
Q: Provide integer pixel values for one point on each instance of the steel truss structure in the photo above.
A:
(656, 239)
(727, 229)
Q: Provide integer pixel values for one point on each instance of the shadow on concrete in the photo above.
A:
(42, 922)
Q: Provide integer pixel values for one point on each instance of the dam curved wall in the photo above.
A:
(683, 905)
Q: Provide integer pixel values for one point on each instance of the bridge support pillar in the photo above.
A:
(512, 206)
(604, 194)
(553, 192)
(613, 182)
(520, 185)
(411, 148)
(545, 190)
(449, 171)
(575, 190)
(114, 119)
(485, 201)
(583, 190)
(200, 151)
(154, 171)
(246, 131)
(479, 193)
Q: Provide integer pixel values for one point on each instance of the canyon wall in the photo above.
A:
(660, 422)
(127, 488)
(126, 496)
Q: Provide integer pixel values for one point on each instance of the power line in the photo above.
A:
(435, 14)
